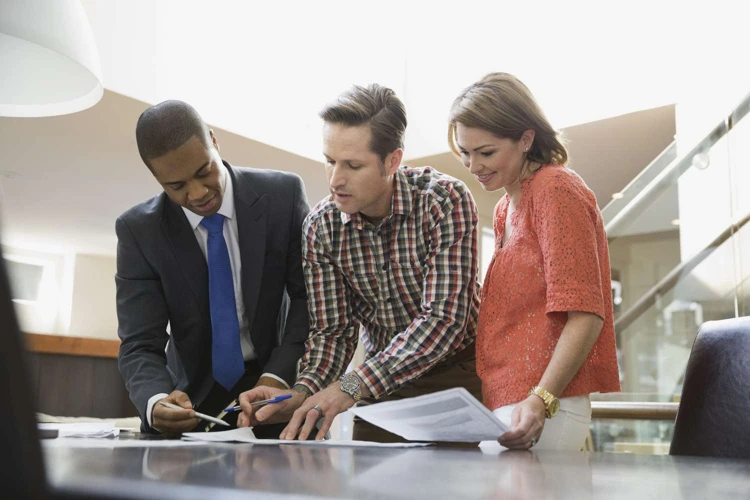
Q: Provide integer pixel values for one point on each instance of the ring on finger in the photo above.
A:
(533, 442)
(319, 410)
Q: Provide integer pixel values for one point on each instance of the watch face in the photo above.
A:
(349, 384)
(554, 407)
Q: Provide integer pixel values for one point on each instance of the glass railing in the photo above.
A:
(676, 237)
(623, 200)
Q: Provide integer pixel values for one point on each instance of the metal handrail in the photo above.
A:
(634, 411)
(667, 177)
(639, 182)
(671, 279)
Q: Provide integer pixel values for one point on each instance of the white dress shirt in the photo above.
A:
(231, 236)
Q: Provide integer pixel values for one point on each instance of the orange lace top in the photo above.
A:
(556, 260)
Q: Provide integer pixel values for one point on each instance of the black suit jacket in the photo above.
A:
(162, 277)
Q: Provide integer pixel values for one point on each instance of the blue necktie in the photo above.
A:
(226, 352)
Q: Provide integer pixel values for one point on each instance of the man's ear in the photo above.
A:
(213, 140)
(393, 161)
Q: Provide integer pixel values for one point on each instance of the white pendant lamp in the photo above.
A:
(49, 64)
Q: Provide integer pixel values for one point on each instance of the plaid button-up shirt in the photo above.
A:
(408, 282)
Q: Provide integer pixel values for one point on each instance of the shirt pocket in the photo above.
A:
(365, 285)
(408, 279)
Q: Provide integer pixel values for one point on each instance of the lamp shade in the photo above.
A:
(49, 64)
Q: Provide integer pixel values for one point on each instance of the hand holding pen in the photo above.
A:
(258, 404)
(272, 405)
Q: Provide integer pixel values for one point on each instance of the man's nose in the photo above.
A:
(197, 191)
(337, 179)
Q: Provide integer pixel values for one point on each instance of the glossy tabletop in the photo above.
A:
(225, 471)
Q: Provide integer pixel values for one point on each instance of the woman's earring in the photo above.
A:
(527, 149)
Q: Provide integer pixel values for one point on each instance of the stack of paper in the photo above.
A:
(83, 430)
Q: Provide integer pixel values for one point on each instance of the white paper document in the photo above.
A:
(245, 435)
(118, 443)
(452, 415)
(82, 430)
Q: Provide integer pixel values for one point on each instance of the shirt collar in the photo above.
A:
(401, 202)
(227, 204)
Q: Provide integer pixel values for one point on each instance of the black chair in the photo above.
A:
(714, 412)
(21, 466)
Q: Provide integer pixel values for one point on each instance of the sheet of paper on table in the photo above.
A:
(451, 415)
(82, 430)
(245, 435)
(117, 443)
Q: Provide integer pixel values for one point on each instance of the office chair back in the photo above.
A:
(21, 466)
(714, 412)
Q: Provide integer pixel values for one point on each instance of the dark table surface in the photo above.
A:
(225, 471)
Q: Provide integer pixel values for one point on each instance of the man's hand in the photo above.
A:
(331, 402)
(527, 423)
(174, 422)
(269, 414)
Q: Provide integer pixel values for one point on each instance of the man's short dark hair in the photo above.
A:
(375, 105)
(167, 126)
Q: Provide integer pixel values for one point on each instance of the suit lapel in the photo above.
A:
(251, 211)
(187, 252)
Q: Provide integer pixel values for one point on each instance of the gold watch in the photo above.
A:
(551, 403)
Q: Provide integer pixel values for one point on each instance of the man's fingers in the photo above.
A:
(324, 426)
(258, 394)
(266, 412)
(292, 428)
(272, 413)
(172, 427)
(311, 418)
(181, 399)
(168, 414)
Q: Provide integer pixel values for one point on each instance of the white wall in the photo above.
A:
(94, 313)
(76, 295)
(50, 313)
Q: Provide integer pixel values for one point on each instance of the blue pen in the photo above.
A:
(271, 401)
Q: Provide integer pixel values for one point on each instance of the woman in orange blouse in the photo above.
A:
(546, 326)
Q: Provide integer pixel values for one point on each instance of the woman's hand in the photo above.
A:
(527, 423)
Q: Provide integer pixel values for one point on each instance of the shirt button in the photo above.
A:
(388, 300)
(385, 266)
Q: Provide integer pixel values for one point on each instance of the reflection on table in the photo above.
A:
(373, 473)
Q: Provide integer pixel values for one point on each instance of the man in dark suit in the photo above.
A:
(211, 299)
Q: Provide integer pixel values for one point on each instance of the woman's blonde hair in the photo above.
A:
(502, 105)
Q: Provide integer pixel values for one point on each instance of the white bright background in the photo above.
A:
(264, 69)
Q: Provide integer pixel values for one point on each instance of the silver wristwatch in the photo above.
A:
(351, 385)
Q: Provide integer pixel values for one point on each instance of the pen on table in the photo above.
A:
(202, 416)
(271, 401)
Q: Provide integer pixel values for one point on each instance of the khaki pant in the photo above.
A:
(459, 371)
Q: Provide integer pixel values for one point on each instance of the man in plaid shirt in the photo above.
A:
(391, 257)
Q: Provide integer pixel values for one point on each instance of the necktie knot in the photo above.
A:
(213, 223)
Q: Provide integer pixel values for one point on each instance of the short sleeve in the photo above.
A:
(565, 219)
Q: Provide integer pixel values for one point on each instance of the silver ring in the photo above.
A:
(533, 442)
(319, 410)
